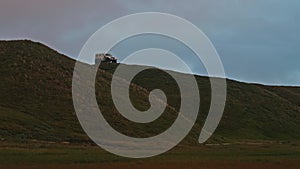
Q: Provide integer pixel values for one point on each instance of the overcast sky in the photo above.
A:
(257, 40)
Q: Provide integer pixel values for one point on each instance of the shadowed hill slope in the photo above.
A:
(36, 101)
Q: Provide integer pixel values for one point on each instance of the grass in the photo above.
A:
(37, 114)
(36, 101)
(41, 153)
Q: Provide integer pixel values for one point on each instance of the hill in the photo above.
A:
(36, 101)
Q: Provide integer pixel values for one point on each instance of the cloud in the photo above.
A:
(258, 41)
(63, 24)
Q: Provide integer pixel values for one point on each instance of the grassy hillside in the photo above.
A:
(36, 101)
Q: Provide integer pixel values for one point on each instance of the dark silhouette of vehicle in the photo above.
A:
(105, 57)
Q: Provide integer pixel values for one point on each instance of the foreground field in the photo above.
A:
(64, 155)
(170, 165)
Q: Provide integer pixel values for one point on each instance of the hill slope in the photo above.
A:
(36, 101)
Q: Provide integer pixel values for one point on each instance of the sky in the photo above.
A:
(257, 40)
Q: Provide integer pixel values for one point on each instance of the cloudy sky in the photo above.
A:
(257, 40)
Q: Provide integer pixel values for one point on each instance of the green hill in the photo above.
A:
(36, 101)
